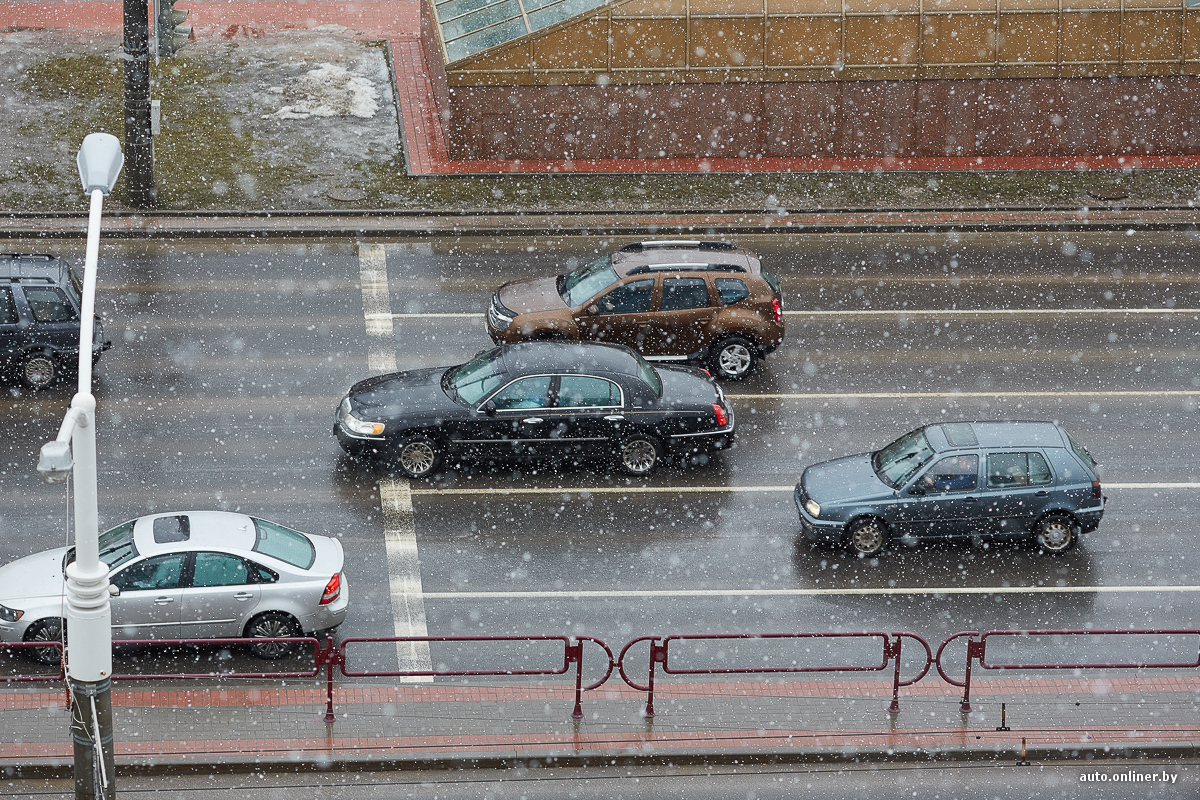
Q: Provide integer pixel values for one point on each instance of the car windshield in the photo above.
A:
(901, 459)
(577, 287)
(116, 546)
(285, 544)
(471, 382)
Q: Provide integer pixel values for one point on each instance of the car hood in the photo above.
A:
(399, 393)
(38, 575)
(532, 296)
(843, 480)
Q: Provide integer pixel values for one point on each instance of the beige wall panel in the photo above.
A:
(1152, 35)
(583, 45)
(490, 79)
(959, 39)
(1191, 37)
(1091, 37)
(727, 7)
(726, 43)
(804, 6)
(650, 8)
(808, 42)
(1171, 4)
(874, 41)
(1099, 5)
(648, 44)
(1028, 5)
(515, 57)
(1028, 38)
(942, 6)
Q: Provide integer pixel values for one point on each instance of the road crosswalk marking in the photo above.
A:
(399, 529)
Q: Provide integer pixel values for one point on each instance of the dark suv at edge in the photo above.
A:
(996, 479)
(40, 305)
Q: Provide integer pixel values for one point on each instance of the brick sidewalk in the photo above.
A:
(451, 722)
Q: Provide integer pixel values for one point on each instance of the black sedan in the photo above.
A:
(539, 399)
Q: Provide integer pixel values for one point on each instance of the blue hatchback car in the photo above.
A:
(1011, 480)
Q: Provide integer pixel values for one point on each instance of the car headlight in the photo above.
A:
(362, 427)
(10, 614)
(498, 315)
(813, 507)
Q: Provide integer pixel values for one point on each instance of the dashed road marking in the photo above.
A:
(399, 529)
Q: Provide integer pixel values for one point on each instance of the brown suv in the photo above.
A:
(669, 300)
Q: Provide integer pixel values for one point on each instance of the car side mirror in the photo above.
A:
(592, 311)
(488, 409)
(114, 590)
(917, 490)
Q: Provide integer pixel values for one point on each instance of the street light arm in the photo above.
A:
(87, 324)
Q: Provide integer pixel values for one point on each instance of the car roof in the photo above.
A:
(569, 357)
(22, 266)
(207, 529)
(680, 254)
(1007, 433)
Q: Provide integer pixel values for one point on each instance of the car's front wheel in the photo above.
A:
(867, 536)
(1055, 533)
(417, 456)
(272, 625)
(733, 358)
(45, 630)
(39, 370)
(639, 454)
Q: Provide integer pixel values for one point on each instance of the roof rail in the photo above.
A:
(678, 244)
(42, 256)
(694, 267)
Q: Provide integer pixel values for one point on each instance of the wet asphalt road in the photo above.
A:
(230, 356)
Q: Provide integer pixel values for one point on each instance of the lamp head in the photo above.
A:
(55, 462)
(100, 160)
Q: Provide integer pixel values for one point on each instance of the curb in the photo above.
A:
(311, 762)
(127, 225)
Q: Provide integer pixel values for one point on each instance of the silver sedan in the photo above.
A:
(189, 575)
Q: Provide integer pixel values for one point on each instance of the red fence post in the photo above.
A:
(658, 654)
(574, 654)
(893, 651)
(974, 650)
(329, 656)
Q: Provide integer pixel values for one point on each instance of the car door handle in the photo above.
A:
(615, 417)
(970, 499)
(243, 596)
(163, 601)
(532, 420)
(1042, 493)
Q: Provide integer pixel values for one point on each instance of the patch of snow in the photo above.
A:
(331, 91)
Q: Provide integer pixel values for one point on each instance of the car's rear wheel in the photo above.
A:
(272, 625)
(733, 358)
(45, 630)
(867, 536)
(1055, 533)
(417, 456)
(639, 454)
(39, 370)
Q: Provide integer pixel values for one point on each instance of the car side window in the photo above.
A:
(159, 572)
(260, 574)
(219, 569)
(632, 298)
(578, 391)
(731, 290)
(531, 392)
(48, 304)
(952, 474)
(1017, 469)
(681, 294)
(8, 310)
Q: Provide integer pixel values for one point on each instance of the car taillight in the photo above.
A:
(332, 589)
(777, 309)
(722, 418)
(1096, 490)
(706, 372)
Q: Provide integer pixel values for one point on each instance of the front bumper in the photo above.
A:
(815, 530)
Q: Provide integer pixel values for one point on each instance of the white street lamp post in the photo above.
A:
(88, 614)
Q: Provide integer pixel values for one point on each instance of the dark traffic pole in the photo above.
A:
(139, 143)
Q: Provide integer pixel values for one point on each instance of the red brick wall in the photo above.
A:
(930, 118)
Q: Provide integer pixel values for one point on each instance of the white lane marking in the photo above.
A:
(404, 577)
(399, 529)
(381, 339)
(862, 312)
(966, 395)
(689, 593)
(710, 489)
